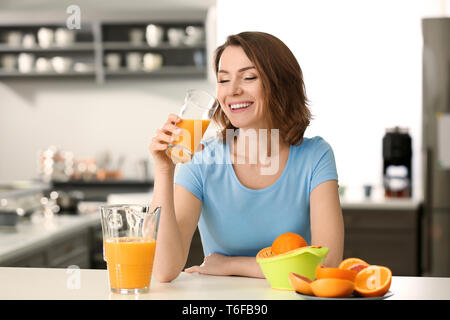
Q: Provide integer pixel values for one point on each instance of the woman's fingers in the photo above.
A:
(171, 128)
(193, 269)
(173, 118)
(164, 137)
(167, 134)
(161, 141)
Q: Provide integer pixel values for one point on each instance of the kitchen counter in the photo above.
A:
(86, 284)
(380, 203)
(31, 234)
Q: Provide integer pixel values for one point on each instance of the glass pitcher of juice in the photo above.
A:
(129, 244)
(196, 114)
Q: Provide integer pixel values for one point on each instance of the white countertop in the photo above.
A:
(61, 284)
(28, 235)
(380, 204)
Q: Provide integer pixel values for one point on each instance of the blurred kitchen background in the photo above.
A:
(79, 107)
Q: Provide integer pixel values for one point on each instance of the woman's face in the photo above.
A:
(239, 89)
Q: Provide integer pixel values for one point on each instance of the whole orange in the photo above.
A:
(287, 242)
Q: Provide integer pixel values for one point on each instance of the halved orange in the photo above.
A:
(332, 288)
(373, 281)
(348, 263)
(300, 283)
(358, 267)
(335, 273)
(288, 241)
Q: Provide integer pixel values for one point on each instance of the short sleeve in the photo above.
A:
(324, 168)
(188, 175)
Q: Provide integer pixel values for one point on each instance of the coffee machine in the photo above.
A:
(397, 171)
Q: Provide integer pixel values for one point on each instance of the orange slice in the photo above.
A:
(335, 273)
(332, 288)
(300, 283)
(347, 264)
(373, 281)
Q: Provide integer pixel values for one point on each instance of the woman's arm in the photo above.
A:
(327, 225)
(221, 265)
(175, 230)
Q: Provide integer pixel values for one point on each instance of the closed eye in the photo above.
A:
(250, 78)
(223, 81)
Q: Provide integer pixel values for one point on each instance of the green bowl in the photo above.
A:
(303, 261)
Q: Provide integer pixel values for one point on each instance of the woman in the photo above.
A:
(242, 205)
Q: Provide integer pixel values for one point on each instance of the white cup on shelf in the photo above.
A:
(112, 61)
(136, 36)
(195, 35)
(45, 37)
(9, 62)
(29, 40)
(134, 61)
(176, 36)
(26, 62)
(154, 35)
(62, 64)
(64, 37)
(43, 65)
(14, 38)
(152, 61)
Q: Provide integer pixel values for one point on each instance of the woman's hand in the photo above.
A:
(215, 264)
(160, 142)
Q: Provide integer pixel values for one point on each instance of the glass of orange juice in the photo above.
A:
(196, 114)
(129, 243)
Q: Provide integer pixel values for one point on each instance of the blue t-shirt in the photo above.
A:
(239, 221)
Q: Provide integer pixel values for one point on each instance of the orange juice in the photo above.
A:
(192, 133)
(130, 262)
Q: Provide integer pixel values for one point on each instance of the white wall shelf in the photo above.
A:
(100, 37)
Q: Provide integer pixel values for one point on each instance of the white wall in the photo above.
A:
(362, 69)
(86, 118)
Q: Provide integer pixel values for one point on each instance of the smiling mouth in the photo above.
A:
(240, 106)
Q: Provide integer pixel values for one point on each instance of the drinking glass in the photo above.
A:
(129, 243)
(196, 114)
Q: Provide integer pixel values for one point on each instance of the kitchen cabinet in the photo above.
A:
(64, 251)
(196, 256)
(70, 250)
(384, 236)
(35, 260)
(63, 241)
(99, 37)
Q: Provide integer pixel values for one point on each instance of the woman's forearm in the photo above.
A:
(246, 267)
(169, 256)
(221, 265)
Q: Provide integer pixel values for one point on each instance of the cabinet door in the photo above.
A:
(380, 220)
(196, 255)
(36, 260)
(70, 248)
(78, 258)
(388, 238)
(396, 250)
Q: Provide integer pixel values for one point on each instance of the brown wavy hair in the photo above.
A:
(285, 103)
